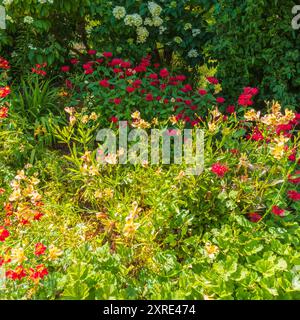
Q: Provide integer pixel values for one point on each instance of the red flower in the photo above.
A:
(125, 64)
(278, 211)
(4, 64)
(137, 83)
(92, 52)
(107, 54)
(220, 100)
(4, 91)
(2, 191)
(212, 80)
(117, 101)
(164, 73)
(74, 61)
(69, 84)
(3, 234)
(18, 274)
(130, 89)
(3, 112)
(251, 91)
(39, 249)
(219, 169)
(39, 273)
(104, 83)
(187, 88)
(114, 119)
(180, 77)
(87, 66)
(294, 195)
(116, 62)
(153, 76)
(65, 68)
(89, 71)
(202, 92)
(245, 100)
(254, 217)
(295, 180)
(37, 216)
(149, 97)
(230, 109)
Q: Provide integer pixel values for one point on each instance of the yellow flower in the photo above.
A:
(54, 252)
(136, 115)
(18, 256)
(173, 119)
(251, 115)
(211, 250)
(93, 116)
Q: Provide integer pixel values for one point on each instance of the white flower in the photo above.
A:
(178, 40)
(133, 20)
(119, 12)
(187, 26)
(157, 21)
(28, 20)
(193, 53)
(148, 22)
(142, 34)
(154, 9)
(195, 32)
(162, 29)
(7, 2)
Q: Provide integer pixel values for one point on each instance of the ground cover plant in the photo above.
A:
(74, 227)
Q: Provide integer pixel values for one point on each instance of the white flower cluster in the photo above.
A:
(133, 20)
(119, 12)
(142, 34)
(28, 20)
(193, 53)
(195, 32)
(154, 9)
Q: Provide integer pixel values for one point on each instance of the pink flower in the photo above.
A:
(219, 169)
(278, 211)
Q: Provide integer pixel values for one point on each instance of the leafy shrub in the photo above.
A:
(46, 31)
(255, 43)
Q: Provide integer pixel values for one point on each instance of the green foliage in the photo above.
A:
(254, 44)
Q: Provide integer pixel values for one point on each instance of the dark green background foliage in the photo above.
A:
(254, 44)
